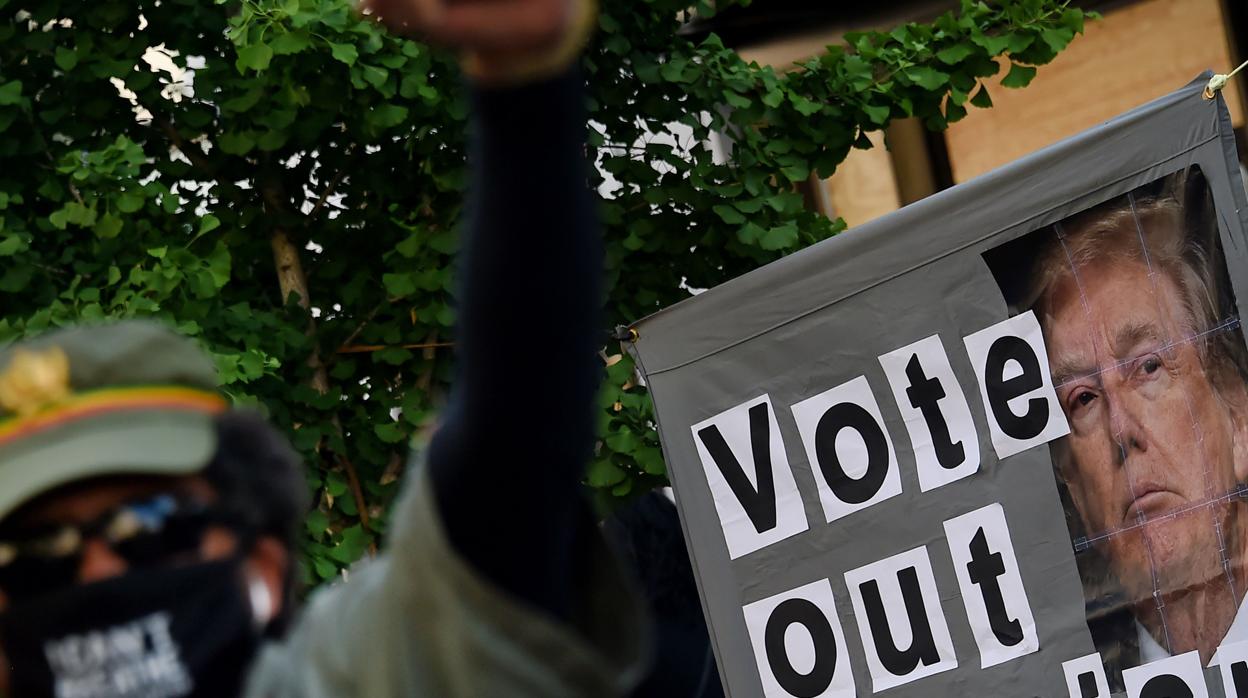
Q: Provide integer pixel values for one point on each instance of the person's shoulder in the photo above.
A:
(311, 660)
(420, 621)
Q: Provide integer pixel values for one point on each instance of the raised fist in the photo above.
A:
(498, 27)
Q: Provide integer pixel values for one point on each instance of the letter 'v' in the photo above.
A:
(760, 503)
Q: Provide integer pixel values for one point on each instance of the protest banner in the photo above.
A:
(992, 444)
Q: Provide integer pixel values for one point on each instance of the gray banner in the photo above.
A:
(821, 318)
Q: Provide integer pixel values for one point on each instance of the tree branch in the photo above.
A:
(329, 191)
(291, 279)
(195, 155)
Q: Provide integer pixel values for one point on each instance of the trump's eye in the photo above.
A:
(1078, 400)
(1146, 367)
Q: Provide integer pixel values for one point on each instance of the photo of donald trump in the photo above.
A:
(1149, 363)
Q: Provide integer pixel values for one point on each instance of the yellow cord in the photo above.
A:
(1217, 82)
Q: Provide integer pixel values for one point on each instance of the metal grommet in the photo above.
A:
(623, 333)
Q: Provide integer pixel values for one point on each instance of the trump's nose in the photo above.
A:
(1125, 427)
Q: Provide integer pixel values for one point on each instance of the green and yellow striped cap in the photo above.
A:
(132, 397)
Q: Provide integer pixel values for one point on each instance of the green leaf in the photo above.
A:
(647, 71)
(981, 98)
(650, 460)
(399, 285)
(272, 140)
(16, 278)
(788, 202)
(750, 233)
(410, 246)
(779, 237)
(728, 214)
(73, 213)
(373, 75)
(129, 201)
(354, 544)
(10, 93)
(324, 568)
(616, 43)
(859, 72)
(219, 265)
(928, 78)
(239, 143)
(391, 433)
(11, 245)
(344, 52)
(393, 62)
(1058, 39)
(387, 116)
(255, 57)
(1019, 76)
(336, 484)
(804, 106)
(994, 45)
(108, 226)
(954, 112)
(207, 224)
(316, 522)
(243, 102)
(411, 85)
(446, 243)
(877, 114)
(674, 70)
(796, 173)
(624, 441)
(291, 42)
(603, 473)
(66, 58)
(736, 100)
(1073, 18)
(955, 54)
(1020, 41)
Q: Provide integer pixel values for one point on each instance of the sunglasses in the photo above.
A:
(144, 533)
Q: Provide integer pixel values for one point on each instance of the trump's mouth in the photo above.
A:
(1149, 501)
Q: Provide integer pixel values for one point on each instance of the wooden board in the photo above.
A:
(863, 186)
(1132, 55)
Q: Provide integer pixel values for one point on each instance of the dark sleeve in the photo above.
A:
(508, 458)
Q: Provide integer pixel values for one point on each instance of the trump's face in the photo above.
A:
(1154, 448)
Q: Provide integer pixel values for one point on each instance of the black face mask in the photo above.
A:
(160, 633)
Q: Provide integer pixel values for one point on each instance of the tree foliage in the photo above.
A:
(282, 180)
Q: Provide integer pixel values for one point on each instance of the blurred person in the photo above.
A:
(1150, 369)
(147, 531)
(647, 534)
